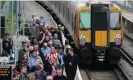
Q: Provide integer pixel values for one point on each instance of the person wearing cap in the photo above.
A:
(71, 61)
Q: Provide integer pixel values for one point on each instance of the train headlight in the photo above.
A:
(118, 39)
(82, 39)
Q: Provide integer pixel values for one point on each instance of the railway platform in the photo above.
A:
(31, 7)
(128, 15)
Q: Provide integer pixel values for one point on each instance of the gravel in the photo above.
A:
(127, 68)
(99, 74)
(104, 75)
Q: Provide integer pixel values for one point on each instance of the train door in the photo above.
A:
(100, 25)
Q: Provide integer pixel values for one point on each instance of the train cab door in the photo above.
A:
(100, 25)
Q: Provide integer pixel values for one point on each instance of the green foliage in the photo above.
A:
(2, 3)
(8, 23)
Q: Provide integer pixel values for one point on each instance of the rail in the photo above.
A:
(123, 73)
(127, 57)
(88, 74)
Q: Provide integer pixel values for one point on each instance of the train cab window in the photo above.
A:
(68, 14)
(85, 18)
(115, 20)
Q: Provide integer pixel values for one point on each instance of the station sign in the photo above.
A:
(5, 72)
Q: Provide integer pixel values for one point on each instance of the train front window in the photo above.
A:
(85, 20)
(115, 20)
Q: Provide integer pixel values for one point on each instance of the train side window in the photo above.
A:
(59, 6)
(66, 10)
(68, 15)
(85, 18)
(56, 4)
(115, 20)
(63, 9)
(73, 21)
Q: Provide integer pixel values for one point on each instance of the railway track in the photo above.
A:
(125, 54)
(127, 57)
(110, 74)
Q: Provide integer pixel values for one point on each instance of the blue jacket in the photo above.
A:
(42, 21)
(32, 60)
(46, 51)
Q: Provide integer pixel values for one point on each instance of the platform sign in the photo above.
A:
(5, 72)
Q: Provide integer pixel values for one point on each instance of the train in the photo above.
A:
(96, 28)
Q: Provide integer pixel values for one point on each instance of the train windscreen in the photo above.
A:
(85, 18)
(100, 20)
(114, 20)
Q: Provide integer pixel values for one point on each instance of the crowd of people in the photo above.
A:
(44, 56)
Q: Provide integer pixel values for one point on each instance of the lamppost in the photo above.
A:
(18, 17)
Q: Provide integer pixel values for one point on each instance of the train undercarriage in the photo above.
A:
(91, 55)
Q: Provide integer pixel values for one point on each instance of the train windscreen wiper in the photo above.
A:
(83, 26)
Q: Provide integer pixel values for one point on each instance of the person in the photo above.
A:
(71, 61)
(33, 22)
(66, 45)
(27, 31)
(45, 50)
(59, 75)
(61, 55)
(32, 60)
(23, 75)
(61, 52)
(54, 63)
(36, 46)
(15, 72)
(40, 74)
(23, 58)
(53, 54)
(56, 41)
(6, 43)
(24, 47)
(34, 41)
(41, 39)
(50, 78)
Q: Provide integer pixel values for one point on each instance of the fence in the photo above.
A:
(22, 36)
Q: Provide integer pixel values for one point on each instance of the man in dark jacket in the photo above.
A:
(6, 43)
(60, 75)
(40, 74)
(71, 61)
